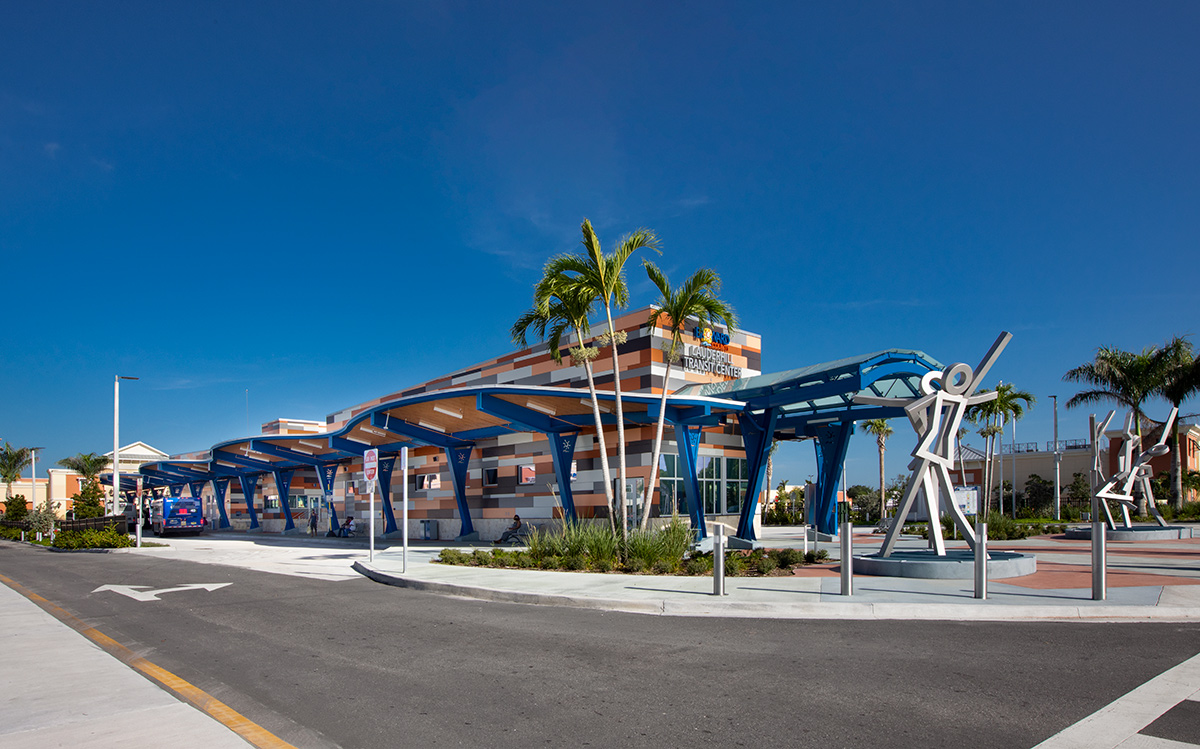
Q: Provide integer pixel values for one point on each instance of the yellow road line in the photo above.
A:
(181, 688)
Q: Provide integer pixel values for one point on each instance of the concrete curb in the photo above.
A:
(829, 610)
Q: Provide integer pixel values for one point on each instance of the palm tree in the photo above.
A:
(1012, 403)
(695, 298)
(562, 314)
(881, 430)
(88, 465)
(1124, 377)
(599, 277)
(1183, 381)
(1008, 405)
(13, 460)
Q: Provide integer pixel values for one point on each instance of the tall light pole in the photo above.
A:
(1057, 465)
(33, 475)
(117, 439)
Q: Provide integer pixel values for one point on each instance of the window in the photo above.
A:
(722, 482)
(528, 474)
(490, 476)
(672, 489)
(428, 481)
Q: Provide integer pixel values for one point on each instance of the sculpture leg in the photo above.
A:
(960, 520)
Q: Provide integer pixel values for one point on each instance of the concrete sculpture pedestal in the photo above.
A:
(955, 564)
(1135, 533)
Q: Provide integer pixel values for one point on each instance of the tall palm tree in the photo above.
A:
(881, 430)
(13, 460)
(88, 465)
(696, 297)
(1182, 381)
(567, 311)
(1127, 378)
(1012, 404)
(601, 277)
(1008, 405)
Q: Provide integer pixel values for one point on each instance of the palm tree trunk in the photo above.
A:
(608, 493)
(612, 341)
(658, 435)
(1176, 472)
(882, 478)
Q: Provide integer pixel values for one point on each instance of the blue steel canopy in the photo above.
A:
(816, 402)
(452, 419)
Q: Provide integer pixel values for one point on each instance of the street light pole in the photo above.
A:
(1057, 465)
(116, 460)
(33, 475)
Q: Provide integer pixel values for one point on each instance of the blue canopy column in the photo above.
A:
(459, 458)
(758, 433)
(326, 473)
(249, 485)
(831, 443)
(563, 451)
(283, 485)
(687, 437)
(386, 466)
(220, 487)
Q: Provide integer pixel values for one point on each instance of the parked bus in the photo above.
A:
(176, 515)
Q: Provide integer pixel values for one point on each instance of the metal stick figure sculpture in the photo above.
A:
(1097, 436)
(1133, 470)
(936, 416)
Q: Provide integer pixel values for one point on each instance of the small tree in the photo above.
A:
(14, 508)
(13, 460)
(89, 502)
(1039, 494)
(42, 519)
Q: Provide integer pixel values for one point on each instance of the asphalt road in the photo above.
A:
(358, 664)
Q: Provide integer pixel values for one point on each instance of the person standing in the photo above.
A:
(312, 523)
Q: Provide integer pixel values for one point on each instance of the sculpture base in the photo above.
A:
(1136, 533)
(958, 564)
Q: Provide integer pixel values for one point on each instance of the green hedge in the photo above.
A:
(109, 538)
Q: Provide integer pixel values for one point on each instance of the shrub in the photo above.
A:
(700, 564)
(642, 548)
(91, 538)
(573, 562)
(42, 519)
(552, 562)
(453, 556)
(523, 560)
(766, 565)
(822, 555)
(735, 564)
(14, 508)
(12, 534)
(602, 565)
(787, 557)
(661, 567)
(481, 557)
(500, 558)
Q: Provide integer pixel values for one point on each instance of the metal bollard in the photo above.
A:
(719, 560)
(847, 559)
(981, 579)
(1099, 561)
(804, 528)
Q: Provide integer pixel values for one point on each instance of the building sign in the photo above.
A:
(710, 361)
(710, 338)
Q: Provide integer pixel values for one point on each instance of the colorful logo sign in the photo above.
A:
(708, 337)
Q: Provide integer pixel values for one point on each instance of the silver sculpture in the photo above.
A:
(935, 416)
(1134, 469)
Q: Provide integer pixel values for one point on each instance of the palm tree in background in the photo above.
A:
(882, 430)
(1009, 404)
(1126, 378)
(88, 465)
(13, 460)
(601, 278)
(696, 297)
(1183, 381)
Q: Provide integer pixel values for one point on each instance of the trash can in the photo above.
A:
(429, 530)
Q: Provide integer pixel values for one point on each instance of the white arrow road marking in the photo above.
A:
(152, 595)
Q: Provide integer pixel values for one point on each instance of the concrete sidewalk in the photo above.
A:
(58, 688)
(1147, 581)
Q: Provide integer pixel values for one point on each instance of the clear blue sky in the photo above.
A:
(325, 202)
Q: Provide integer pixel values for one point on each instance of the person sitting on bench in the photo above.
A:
(348, 528)
(511, 532)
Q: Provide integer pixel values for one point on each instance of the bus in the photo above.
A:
(176, 515)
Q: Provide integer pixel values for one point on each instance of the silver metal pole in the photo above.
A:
(981, 559)
(1014, 467)
(1099, 560)
(404, 510)
(116, 460)
(718, 559)
(1000, 477)
(138, 531)
(371, 524)
(1057, 465)
(847, 558)
(804, 529)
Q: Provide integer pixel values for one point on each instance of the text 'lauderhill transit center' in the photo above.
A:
(516, 435)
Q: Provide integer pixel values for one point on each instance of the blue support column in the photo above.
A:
(196, 487)
(459, 457)
(249, 485)
(176, 490)
(831, 443)
(386, 466)
(326, 473)
(283, 485)
(562, 451)
(688, 440)
(758, 432)
(220, 487)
